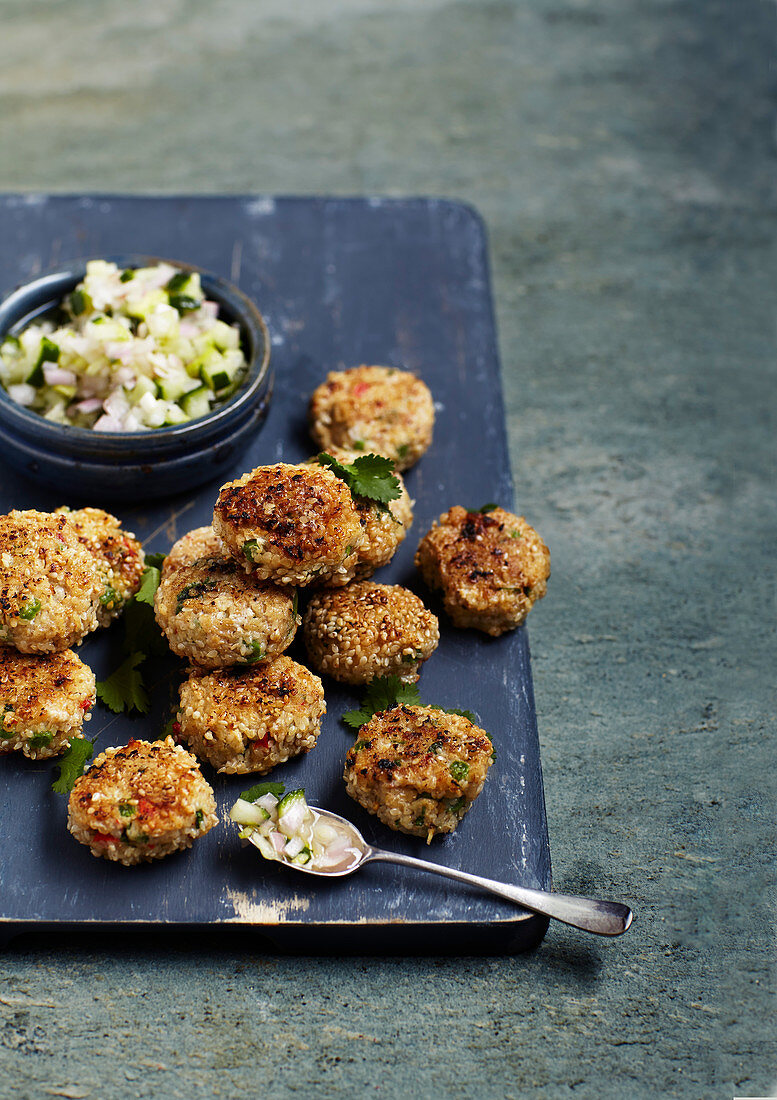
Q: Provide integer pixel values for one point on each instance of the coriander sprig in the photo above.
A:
(71, 765)
(370, 476)
(389, 691)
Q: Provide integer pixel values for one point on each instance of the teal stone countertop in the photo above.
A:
(622, 155)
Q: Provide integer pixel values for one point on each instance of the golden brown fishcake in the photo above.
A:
(44, 702)
(384, 528)
(365, 630)
(289, 524)
(249, 721)
(50, 584)
(492, 567)
(141, 802)
(202, 542)
(217, 615)
(380, 409)
(119, 557)
(418, 769)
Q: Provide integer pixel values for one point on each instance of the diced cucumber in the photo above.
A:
(215, 377)
(173, 386)
(196, 402)
(246, 813)
(184, 292)
(140, 308)
(293, 813)
(49, 353)
(143, 386)
(175, 414)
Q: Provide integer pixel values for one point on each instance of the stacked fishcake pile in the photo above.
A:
(228, 600)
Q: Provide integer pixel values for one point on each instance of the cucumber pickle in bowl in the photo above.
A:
(136, 377)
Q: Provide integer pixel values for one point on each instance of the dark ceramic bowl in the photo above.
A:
(146, 464)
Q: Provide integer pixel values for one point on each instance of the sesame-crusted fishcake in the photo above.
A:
(380, 409)
(492, 567)
(141, 802)
(50, 584)
(202, 542)
(249, 721)
(384, 528)
(215, 614)
(418, 768)
(119, 557)
(289, 524)
(44, 702)
(365, 630)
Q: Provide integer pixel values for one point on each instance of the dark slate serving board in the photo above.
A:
(340, 282)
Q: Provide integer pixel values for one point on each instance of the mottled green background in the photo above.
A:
(622, 153)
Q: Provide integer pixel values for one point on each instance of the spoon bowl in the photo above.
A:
(351, 851)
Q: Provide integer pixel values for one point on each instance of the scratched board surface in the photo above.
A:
(340, 282)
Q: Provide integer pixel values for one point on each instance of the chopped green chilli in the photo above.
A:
(30, 609)
(459, 770)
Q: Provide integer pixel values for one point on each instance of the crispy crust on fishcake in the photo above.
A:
(141, 802)
(217, 615)
(249, 721)
(289, 524)
(418, 768)
(118, 553)
(492, 567)
(44, 702)
(380, 409)
(365, 630)
(43, 563)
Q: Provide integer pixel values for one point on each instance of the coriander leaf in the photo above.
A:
(369, 476)
(382, 694)
(148, 585)
(124, 690)
(490, 507)
(259, 789)
(156, 560)
(373, 477)
(71, 765)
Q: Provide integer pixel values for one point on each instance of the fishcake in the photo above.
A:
(202, 542)
(50, 584)
(118, 553)
(289, 524)
(141, 802)
(418, 769)
(250, 720)
(380, 409)
(44, 702)
(384, 527)
(492, 567)
(365, 630)
(216, 615)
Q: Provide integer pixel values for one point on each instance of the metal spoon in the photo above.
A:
(607, 918)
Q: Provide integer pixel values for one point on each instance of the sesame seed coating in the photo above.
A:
(50, 584)
(366, 630)
(44, 702)
(492, 567)
(216, 615)
(418, 769)
(202, 542)
(380, 409)
(118, 553)
(141, 802)
(289, 524)
(249, 721)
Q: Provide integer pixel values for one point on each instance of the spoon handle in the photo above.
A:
(606, 918)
